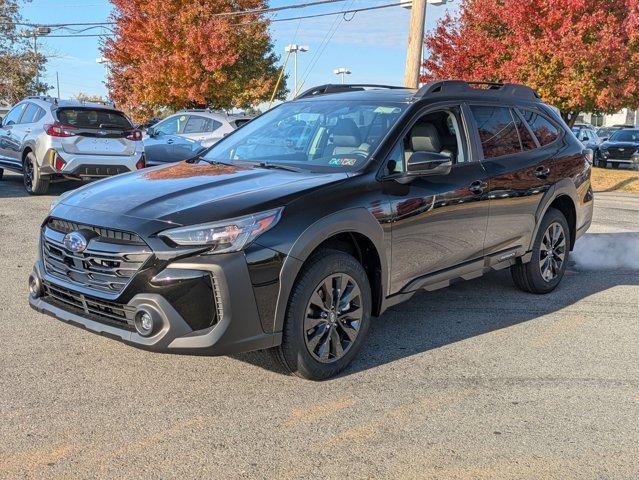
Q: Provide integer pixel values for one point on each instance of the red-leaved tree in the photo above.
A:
(181, 53)
(579, 55)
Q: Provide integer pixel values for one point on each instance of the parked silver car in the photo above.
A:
(45, 138)
(180, 136)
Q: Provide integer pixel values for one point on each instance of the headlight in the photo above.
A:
(226, 235)
(604, 153)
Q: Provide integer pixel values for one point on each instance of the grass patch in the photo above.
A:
(608, 180)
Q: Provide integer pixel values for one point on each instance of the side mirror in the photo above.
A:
(150, 132)
(584, 138)
(428, 163)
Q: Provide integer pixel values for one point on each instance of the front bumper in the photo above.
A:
(237, 326)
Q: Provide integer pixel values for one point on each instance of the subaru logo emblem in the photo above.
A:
(75, 242)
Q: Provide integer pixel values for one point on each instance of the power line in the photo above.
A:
(255, 11)
(274, 20)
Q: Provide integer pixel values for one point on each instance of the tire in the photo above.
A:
(1, 173)
(615, 165)
(34, 182)
(311, 339)
(534, 277)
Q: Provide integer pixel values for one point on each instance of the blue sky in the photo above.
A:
(372, 44)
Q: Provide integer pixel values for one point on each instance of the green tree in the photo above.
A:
(19, 64)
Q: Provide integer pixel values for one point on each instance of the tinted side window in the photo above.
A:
(497, 131)
(167, 127)
(212, 125)
(14, 115)
(545, 131)
(195, 124)
(30, 114)
(527, 141)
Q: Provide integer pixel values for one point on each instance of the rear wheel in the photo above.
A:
(1, 173)
(327, 318)
(34, 182)
(549, 257)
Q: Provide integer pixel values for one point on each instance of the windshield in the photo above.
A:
(625, 136)
(324, 135)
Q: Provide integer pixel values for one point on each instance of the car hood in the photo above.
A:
(609, 144)
(188, 194)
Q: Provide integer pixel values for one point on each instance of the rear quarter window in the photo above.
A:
(94, 118)
(544, 130)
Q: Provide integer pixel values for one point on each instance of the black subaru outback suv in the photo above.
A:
(290, 233)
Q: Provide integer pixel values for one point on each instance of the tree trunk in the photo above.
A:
(569, 117)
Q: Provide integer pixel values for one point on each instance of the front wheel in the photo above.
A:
(549, 257)
(34, 182)
(327, 318)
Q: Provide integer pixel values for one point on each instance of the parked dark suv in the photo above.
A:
(291, 232)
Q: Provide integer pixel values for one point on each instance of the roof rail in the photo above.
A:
(339, 88)
(452, 87)
(202, 110)
(44, 98)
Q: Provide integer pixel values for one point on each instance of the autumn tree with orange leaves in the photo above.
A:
(579, 55)
(187, 53)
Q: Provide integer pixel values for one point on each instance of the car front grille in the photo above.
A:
(90, 307)
(621, 153)
(109, 262)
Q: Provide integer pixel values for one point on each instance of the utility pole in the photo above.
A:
(57, 81)
(40, 31)
(415, 44)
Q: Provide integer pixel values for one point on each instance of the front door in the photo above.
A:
(439, 221)
(11, 138)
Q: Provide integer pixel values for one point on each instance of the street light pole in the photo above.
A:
(294, 48)
(342, 71)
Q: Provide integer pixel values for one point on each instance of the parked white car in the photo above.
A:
(184, 134)
(45, 138)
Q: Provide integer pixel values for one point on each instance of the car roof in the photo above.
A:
(438, 90)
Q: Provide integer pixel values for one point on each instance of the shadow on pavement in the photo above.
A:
(468, 309)
(11, 186)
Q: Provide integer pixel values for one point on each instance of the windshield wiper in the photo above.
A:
(278, 166)
(199, 158)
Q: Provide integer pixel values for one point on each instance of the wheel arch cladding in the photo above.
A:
(354, 231)
(26, 152)
(565, 205)
(563, 197)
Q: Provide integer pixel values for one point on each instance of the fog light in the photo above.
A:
(35, 286)
(144, 323)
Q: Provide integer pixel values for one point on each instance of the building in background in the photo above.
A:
(625, 116)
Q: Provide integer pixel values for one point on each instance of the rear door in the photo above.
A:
(199, 132)
(519, 166)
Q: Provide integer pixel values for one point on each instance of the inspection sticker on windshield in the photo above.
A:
(342, 162)
(387, 110)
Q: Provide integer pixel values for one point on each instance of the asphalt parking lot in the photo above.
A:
(476, 381)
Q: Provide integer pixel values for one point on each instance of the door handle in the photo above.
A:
(542, 172)
(477, 187)
(170, 142)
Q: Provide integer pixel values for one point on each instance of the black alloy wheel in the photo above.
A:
(333, 318)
